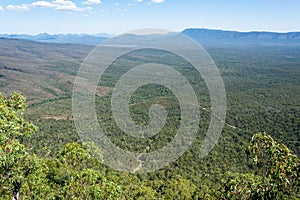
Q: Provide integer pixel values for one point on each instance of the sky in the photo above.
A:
(120, 16)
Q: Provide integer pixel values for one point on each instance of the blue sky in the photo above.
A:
(119, 16)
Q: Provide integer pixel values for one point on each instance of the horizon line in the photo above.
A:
(115, 34)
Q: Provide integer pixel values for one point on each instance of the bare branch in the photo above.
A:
(7, 188)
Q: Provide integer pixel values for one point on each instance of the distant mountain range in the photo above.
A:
(201, 35)
(207, 36)
(61, 38)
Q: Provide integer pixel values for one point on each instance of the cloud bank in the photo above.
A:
(22, 7)
(64, 5)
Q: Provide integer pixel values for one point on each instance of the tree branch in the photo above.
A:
(7, 188)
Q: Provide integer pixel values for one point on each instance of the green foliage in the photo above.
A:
(277, 172)
(241, 186)
(15, 162)
(133, 188)
(71, 177)
(179, 188)
(277, 164)
(67, 176)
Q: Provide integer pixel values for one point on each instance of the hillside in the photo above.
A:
(38, 70)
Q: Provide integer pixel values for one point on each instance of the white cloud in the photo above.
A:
(44, 4)
(157, 1)
(65, 5)
(23, 7)
(91, 2)
(138, 1)
(1, 8)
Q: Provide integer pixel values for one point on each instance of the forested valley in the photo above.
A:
(257, 155)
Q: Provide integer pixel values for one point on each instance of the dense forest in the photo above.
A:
(42, 157)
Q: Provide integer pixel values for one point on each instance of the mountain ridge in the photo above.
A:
(201, 35)
(211, 36)
(60, 38)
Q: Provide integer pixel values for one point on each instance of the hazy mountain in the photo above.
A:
(201, 35)
(208, 36)
(61, 38)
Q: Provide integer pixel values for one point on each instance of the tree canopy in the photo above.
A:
(73, 172)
